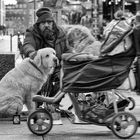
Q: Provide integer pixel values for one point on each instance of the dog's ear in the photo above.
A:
(37, 59)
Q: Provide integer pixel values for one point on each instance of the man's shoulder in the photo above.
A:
(30, 29)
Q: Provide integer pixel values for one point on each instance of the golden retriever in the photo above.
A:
(19, 85)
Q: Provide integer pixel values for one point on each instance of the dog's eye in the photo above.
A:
(47, 55)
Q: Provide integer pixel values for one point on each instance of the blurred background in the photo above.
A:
(17, 15)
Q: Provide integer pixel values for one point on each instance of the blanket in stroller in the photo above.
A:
(100, 74)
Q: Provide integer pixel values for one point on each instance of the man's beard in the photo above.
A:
(49, 34)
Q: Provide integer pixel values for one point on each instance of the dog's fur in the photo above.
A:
(19, 85)
(81, 40)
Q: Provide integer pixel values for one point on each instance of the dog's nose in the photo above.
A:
(55, 61)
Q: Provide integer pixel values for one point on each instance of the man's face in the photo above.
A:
(46, 25)
(47, 29)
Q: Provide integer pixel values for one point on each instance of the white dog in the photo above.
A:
(19, 85)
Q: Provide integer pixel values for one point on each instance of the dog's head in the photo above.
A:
(79, 37)
(46, 60)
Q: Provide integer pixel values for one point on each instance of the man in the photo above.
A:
(45, 33)
(136, 32)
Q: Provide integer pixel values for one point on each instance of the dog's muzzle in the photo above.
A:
(56, 62)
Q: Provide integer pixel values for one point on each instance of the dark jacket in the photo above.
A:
(34, 41)
(136, 33)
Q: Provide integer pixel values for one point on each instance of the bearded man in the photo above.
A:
(45, 33)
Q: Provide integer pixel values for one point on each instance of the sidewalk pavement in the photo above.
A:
(67, 131)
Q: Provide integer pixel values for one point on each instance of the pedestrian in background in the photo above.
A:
(86, 20)
(136, 33)
(115, 35)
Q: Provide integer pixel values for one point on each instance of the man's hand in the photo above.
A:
(33, 54)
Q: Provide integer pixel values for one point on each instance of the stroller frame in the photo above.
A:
(116, 121)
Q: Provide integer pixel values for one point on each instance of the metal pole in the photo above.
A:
(123, 6)
(112, 9)
(92, 9)
(11, 42)
(95, 17)
(34, 11)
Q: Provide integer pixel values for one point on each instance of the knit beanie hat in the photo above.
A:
(44, 14)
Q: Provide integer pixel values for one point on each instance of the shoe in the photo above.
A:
(57, 122)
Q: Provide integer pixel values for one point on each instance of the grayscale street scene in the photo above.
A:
(69, 69)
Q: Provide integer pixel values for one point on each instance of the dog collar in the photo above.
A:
(35, 67)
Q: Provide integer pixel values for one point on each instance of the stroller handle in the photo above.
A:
(49, 100)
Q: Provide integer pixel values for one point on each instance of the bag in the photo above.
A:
(118, 38)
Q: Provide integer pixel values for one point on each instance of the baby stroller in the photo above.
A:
(95, 77)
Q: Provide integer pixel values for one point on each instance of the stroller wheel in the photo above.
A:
(40, 122)
(124, 125)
